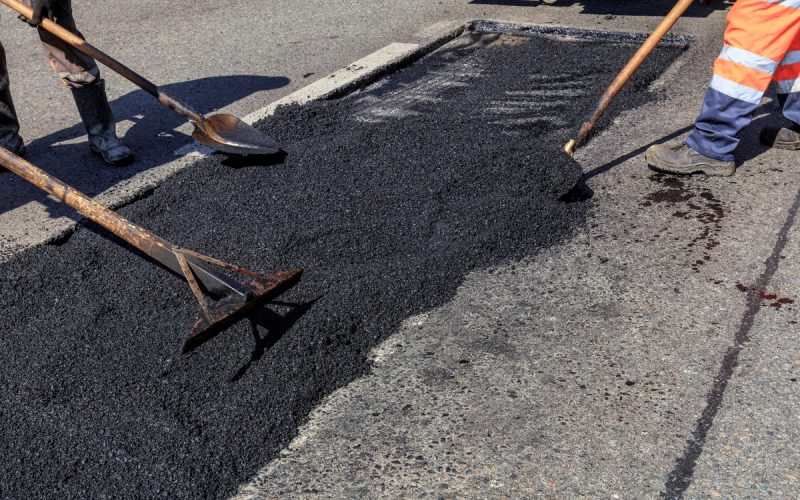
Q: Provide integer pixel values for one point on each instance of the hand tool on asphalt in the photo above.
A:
(627, 72)
(222, 132)
(223, 301)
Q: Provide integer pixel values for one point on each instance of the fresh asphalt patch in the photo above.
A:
(386, 198)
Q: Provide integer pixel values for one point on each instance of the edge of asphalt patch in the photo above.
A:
(487, 26)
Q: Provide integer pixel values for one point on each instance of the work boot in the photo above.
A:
(9, 126)
(683, 159)
(782, 137)
(100, 125)
(15, 144)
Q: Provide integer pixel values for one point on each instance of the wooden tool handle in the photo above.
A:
(128, 231)
(83, 46)
(622, 78)
(97, 54)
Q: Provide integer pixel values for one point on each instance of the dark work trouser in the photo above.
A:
(72, 67)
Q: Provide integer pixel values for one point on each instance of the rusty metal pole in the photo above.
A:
(149, 243)
(627, 72)
(238, 298)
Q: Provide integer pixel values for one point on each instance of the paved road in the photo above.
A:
(656, 353)
(645, 356)
(237, 56)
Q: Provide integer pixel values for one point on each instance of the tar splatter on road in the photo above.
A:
(387, 199)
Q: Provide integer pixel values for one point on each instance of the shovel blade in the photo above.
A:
(228, 310)
(229, 134)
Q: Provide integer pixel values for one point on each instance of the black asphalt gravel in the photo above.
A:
(387, 198)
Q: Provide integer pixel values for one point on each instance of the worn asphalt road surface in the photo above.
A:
(387, 199)
(221, 56)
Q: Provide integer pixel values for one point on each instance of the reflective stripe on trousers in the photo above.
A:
(762, 44)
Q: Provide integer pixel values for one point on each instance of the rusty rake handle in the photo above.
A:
(63, 192)
(238, 299)
(153, 245)
(97, 54)
(627, 72)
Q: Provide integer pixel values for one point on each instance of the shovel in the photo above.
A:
(222, 132)
(223, 301)
(626, 73)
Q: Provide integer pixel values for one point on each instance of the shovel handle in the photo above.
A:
(627, 72)
(97, 54)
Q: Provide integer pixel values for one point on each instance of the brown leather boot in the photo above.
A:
(683, 159)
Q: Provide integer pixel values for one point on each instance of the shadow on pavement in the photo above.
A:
(750, 148)
(274, 326)
(617, 7)
(150, 134)
(768, 114)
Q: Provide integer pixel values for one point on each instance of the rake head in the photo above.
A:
(224, 312)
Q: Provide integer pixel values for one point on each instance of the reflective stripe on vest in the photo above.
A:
(749, 59)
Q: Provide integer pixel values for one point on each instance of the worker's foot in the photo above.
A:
(9, 124)
(99, 121)
(782, 137)
(16, 146)
(111, 149)
(685, 160)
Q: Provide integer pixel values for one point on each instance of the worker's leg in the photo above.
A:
(81, 74)
(758, 36)
(9, 126)
(74, 68)
(787, 82)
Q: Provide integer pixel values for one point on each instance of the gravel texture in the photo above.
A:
(386, 199)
